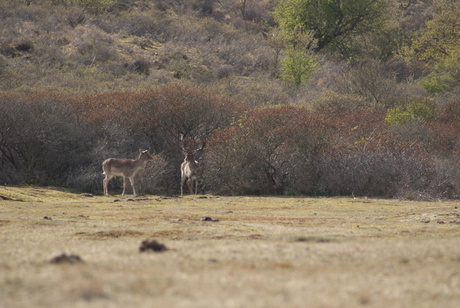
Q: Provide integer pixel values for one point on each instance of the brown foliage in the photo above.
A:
(50, 138)
(292, 150)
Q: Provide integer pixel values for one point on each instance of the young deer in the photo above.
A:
(190, 169)
(127, 168)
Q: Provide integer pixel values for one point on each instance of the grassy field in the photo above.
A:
(254, 252)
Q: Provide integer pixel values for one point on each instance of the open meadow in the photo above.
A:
(250, 252)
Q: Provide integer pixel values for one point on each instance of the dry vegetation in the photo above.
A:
(81, 81)
(262, 252)
(377, 114)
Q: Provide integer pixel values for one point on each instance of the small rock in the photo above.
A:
(70, 259)
(207, 218)
(152, 245)
(441, 222)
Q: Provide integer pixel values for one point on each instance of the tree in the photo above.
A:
(297, 66)
(441, 38)
(331, 21)
(439, 46)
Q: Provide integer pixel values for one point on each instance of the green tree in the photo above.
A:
(297, 66)
(331, 21)
(441, 38)
(439, 47)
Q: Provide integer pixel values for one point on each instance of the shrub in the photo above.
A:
(338, 104)
(297, 66)
(371, 80)
(270, 150)
(42, 141)
(155, 118)
(403, 114)
(380, 171)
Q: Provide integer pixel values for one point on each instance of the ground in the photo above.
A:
(250, 252)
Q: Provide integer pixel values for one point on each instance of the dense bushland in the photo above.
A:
(292, 150)
(368, 107)
(55, 139)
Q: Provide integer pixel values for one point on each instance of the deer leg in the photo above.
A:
(105, 183)
(190, 185)
(131, 179)
(196, 186)
(124, 186)
(182, 180)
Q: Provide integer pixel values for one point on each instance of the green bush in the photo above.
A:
(437, 83)
(297, 66)
(415, 111)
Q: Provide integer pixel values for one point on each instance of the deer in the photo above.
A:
(127, 168)
(190, 168)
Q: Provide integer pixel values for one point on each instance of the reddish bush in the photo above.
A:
(56, 139)
(291, 150)
(126, 121)
(269, 150)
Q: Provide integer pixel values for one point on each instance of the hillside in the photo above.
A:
(232, 46)
(136, 44)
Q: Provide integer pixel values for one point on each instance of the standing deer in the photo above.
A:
(190, 168)
(127, 168)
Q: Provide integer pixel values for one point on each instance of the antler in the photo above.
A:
(181, 143)
(203, 144)
(191, 145)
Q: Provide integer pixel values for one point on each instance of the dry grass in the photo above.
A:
(263, 252)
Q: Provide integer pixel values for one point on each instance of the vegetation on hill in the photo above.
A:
(294, 96)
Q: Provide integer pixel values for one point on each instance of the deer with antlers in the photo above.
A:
(190, 168)
(127, 168)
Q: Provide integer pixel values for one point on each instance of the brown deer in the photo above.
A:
(127, 168)
(190, 168)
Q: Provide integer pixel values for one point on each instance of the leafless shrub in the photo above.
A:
(91, 46)
(155, 178)
(341, 103)
(224, 71)
(373, 81)
(140, 66)
(42, 142)
(255, 155)
(373, 172)
(254, 92)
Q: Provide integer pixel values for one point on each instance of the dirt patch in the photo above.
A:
(4, 222)
(172, 234)
(5, 198)
(314, 239)
(109, 234)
